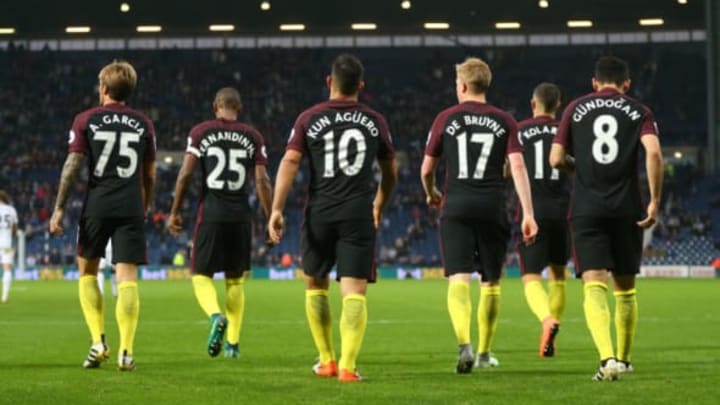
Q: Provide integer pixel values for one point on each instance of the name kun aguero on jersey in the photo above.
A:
(476, 120)
(123, 119)
(585, 107)
(231, 136)
(357, 117)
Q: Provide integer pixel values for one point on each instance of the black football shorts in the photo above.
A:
(221, 247)
(552, 246)
(613, 244)
(470, 245)
(350, 244)
(128, 239)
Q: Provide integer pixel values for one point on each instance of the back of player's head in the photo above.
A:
(548, 95)
(475, 73)
(4, 197)
(347, 74)
(120, 79)
(228, 98)
(612, 70)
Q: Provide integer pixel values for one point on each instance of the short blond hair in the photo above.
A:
(475, 73)
(120, 78)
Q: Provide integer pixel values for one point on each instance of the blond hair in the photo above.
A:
(120, 79)
(475, 73)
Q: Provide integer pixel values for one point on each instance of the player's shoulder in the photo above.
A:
(316, 109)
(203, 127)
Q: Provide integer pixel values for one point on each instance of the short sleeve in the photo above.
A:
(14, 214)
(260, 149)
(77, 140)
(151, 144)
(434, 143)
(386, 151)
(564, 135)
(193, 142)
(513, 145)
(649, 126)
(297, 139)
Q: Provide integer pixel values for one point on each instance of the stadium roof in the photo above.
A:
(34, 18)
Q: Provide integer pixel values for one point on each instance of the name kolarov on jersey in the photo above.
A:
(477, 120)
(356, 117)
(534, 131)
(108, 119)
(585, 107)
(229, 136)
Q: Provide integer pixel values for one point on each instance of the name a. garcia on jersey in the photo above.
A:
(585, 107)
(122, 119)
(231, 136)
(319, 125)
(536, 130)
(476, 120)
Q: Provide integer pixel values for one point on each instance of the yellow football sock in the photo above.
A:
(91, 302)
(127, 311)
(458, 302)
(626, 316)
(235, 306)
(352, 329)
(488, 311)
(537, 299)
(556, 297)
(597, 316)
(317, 310)
(206, 294)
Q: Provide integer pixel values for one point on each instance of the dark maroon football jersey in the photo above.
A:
(342, 139)
(550, 192)
(602, 131)
(228, 151)
(474, 139)
(117, 141)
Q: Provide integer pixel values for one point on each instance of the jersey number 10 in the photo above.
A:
(349, 169)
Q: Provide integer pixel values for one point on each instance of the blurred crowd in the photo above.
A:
(40, 93)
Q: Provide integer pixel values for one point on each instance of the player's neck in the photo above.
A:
(477, 98)
(543, 114)
(222, 115)
(609, 86)
(337, 96)
(109, 101)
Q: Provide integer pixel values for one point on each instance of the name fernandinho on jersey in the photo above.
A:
(357, 117)
(536, 130)
(108, 119)
(476, 120)
(585, 107)
(230, 136)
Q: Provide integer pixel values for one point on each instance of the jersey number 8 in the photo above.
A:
(605, 147)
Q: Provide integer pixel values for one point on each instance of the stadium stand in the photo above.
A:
(40, 92)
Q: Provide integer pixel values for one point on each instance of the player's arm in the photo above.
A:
(654, 168)
(181, 185)
(427, 176)
(289, 167)
(388, 180)
(70, 169)
(522, 188)
(149, 174)
(263, 185)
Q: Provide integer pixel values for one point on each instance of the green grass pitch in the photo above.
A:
(408, 354)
